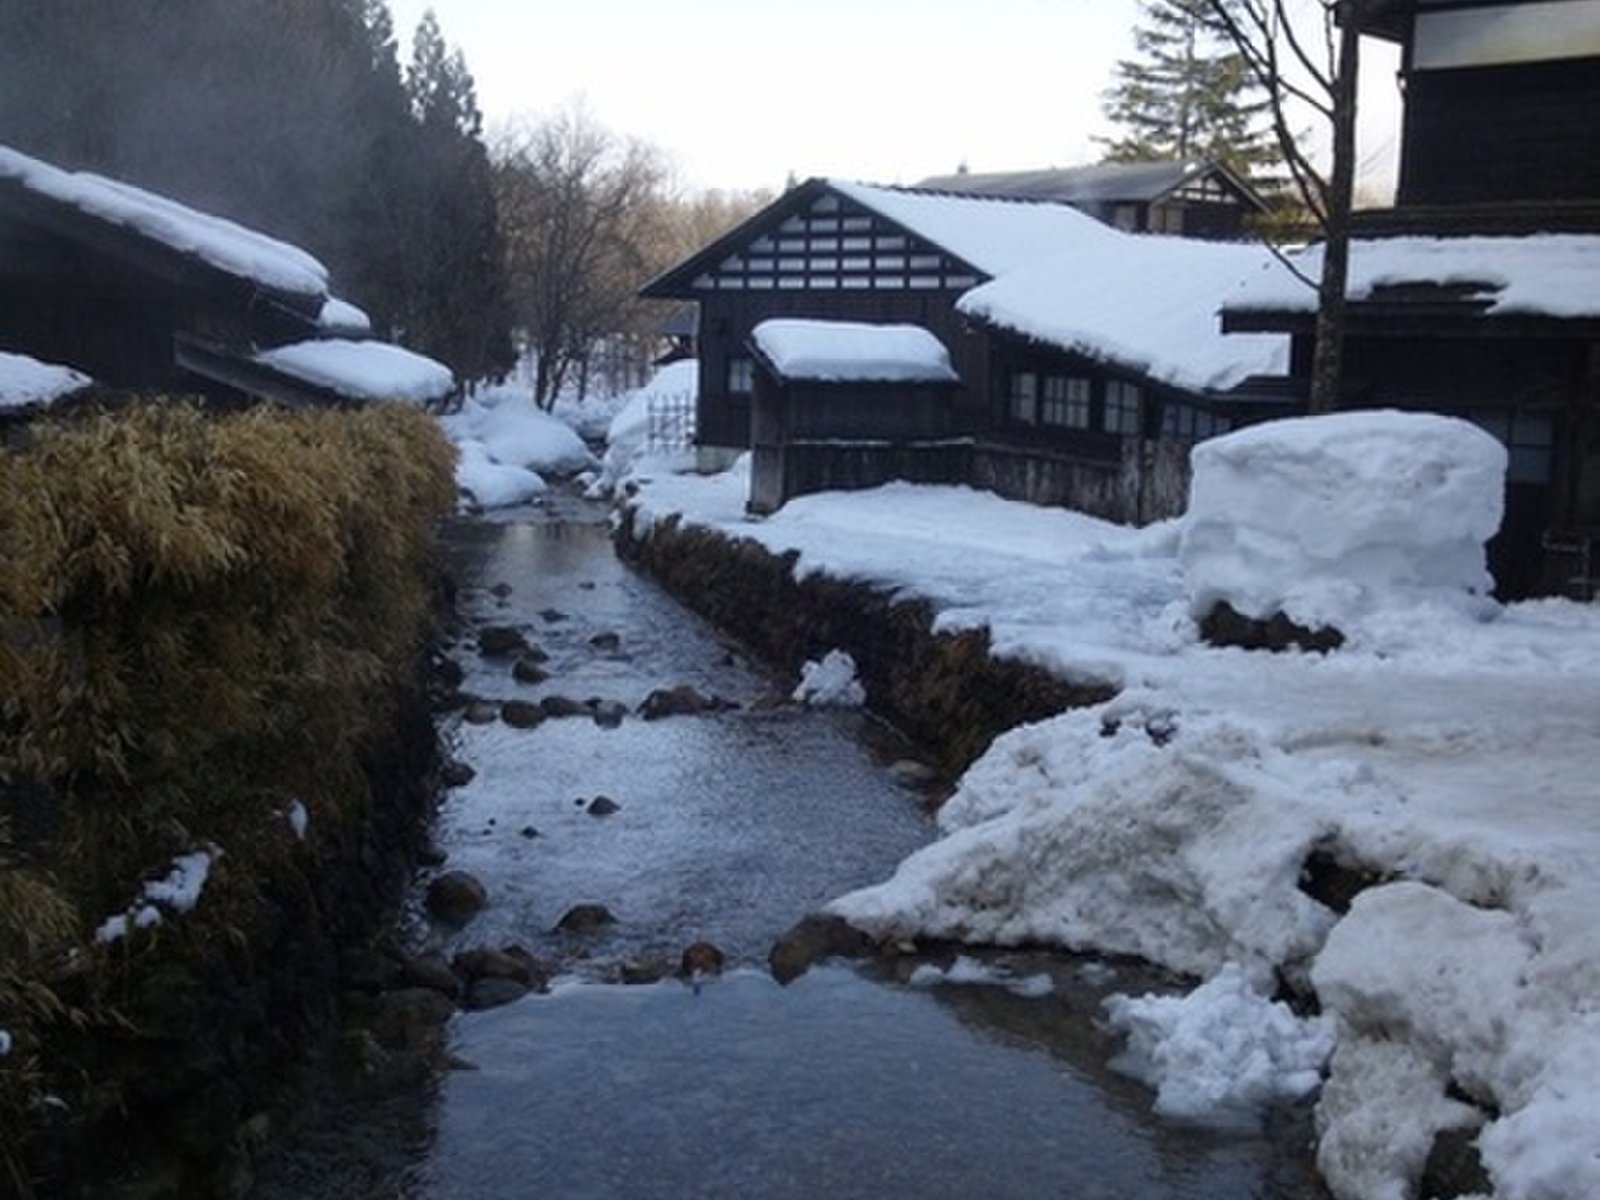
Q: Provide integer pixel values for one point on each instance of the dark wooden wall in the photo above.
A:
(727, 319)
(1509, 133)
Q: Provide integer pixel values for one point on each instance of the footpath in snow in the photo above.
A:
(1445, 754)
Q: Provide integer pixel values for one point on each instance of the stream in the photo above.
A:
(893, 1077)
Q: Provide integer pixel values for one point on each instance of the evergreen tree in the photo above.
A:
(1188, 95)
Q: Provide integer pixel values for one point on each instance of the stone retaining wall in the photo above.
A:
(946, 691)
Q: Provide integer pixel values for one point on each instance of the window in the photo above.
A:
(1065, 402)
(1122, 408)
(1180, 420)
(1022, 400)
(1530, 437)
(741, 375)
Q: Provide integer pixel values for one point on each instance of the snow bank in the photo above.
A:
(1122, 832)
(26, 381)
(831, 683)
(516, 432)
(367, 371)
(851, 352)
(491, 484)
(1222, 1053)
(1329, 518)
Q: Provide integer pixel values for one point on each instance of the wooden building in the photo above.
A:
(1086, 359)
(830, 250)
(840, 406)
(1478, 293)
(144, 294)
(1189, 199)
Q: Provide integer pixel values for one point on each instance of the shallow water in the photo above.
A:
(850, 1082)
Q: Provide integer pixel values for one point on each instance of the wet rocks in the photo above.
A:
(564, 706)
(608, 714)
(682, 700)
(816, 937)
(602, 806)
(501, 641)
(456, 897)
(910, 773)
(700, 959)
(585, 919)
(607, 642)
(431, 971)
(527, 670)
(493, 992)
(454, 773)
(520, 714)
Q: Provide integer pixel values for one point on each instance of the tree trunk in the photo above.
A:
(1328, 357)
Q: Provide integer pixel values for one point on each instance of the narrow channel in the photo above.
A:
(899, 1077)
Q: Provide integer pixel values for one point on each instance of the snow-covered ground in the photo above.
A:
(1448, 750)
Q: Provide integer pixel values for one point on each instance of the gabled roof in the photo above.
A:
(1549, 276)
(133, 223)
(990, 235)
(1143, 303)
(1097, 184)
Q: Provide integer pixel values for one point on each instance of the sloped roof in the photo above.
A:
(1096, 184)
(1551, 275)
(989, 234)
(1144, 303)
(121, 208)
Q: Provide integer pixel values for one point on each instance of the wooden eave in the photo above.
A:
(1401, 319)
(1387, 19)
(237, 368)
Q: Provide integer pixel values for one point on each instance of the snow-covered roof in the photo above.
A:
(1551, 275)
(222, 244)
(993, 235)
(340, 316)
(1141, 302)
(847, 351)
(362, 370)
(1097, 183)
(26, 381)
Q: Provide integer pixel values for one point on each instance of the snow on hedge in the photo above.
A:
(26, 381)
(1326, 518)
(178, 891)
(852, 352)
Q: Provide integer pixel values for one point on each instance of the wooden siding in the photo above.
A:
(1502, 134)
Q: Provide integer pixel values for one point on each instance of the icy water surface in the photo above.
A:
(853, 1081)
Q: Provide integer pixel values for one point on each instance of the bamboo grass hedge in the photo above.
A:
(205, 622)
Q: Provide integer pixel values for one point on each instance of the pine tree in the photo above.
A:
(1188, 95)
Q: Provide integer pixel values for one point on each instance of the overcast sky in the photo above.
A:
(743, 93)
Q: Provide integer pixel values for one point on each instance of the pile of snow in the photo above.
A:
(1223, 1052)
(1328, 518)
(177, 892)
(848, 351)
(508, 445)
(26, 381)
(364, 371)
(831, 683)
(341, 317)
